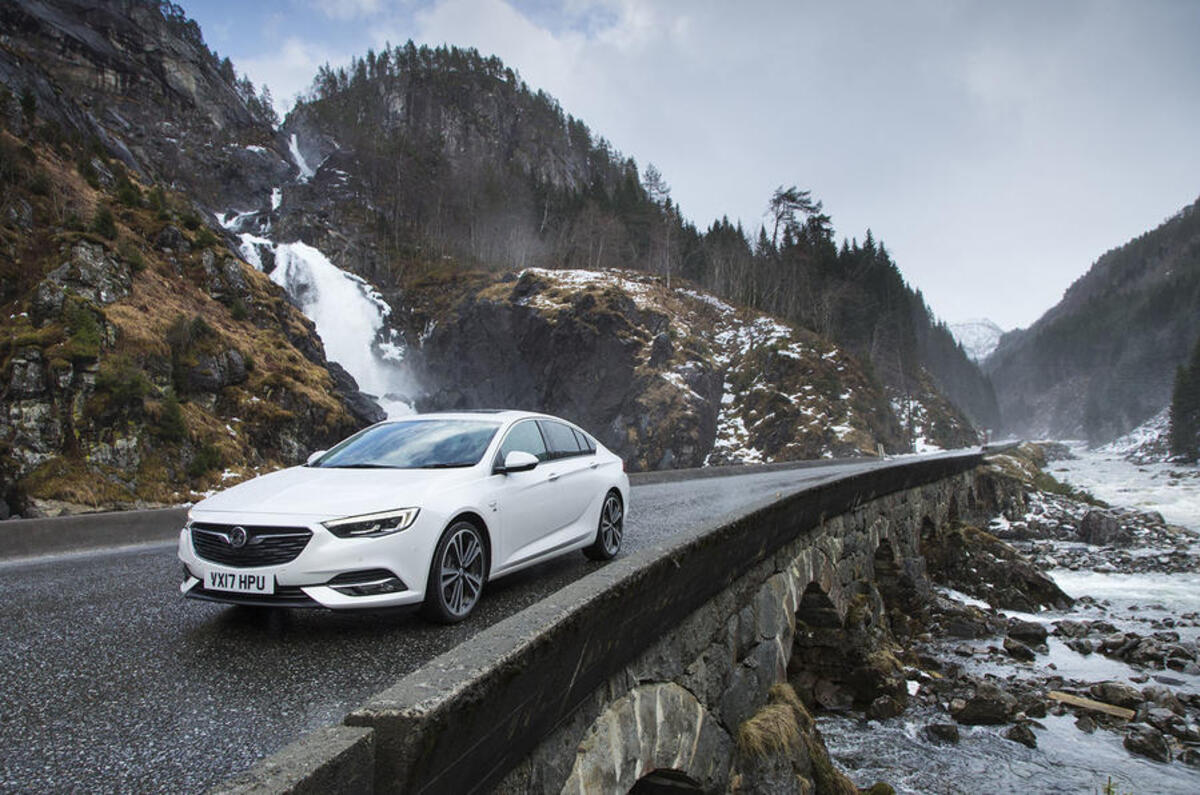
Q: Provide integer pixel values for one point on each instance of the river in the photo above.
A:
(1066, 759)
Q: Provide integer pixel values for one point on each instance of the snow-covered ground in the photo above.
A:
(1147, 442)
(1171, 489)
(914, 416)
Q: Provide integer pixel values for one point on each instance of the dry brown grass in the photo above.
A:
(777, 727)
(785, 726)
(70, 480)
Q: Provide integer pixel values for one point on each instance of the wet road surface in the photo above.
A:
(110, 681)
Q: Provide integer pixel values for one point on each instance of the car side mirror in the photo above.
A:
(314, 457)
(519, 461)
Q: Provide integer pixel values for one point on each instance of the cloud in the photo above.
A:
(290, 69)
(347, 9)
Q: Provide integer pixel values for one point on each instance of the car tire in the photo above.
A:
(456, 575)
(610, 530)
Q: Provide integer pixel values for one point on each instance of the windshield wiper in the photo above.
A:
(358, 466)
(445, 466)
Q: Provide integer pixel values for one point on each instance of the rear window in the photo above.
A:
(585, 443)
(561, 439)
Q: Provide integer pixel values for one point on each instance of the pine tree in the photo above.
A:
(1185, 409)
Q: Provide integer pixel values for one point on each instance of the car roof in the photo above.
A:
(502, 415)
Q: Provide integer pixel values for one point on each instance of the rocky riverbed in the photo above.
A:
(1058, 652)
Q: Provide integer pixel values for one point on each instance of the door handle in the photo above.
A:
(593, 465)
(552, 476)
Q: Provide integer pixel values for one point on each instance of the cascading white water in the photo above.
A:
(349, 314)
(306, 172)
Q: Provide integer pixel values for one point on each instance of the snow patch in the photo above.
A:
(914, 418)
(1147, 443)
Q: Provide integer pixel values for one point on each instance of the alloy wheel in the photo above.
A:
(611, 524)
(461, 571)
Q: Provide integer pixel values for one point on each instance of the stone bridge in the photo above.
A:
(639, 675)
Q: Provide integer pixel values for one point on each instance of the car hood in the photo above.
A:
(328, 493)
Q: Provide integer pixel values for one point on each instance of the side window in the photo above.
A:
(584, 443)
(525, 437)
(561, 439)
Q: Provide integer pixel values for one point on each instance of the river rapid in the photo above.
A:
(1066, 759)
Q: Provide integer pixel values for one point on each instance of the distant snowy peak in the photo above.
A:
(978, 337)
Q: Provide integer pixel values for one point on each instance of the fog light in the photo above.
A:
(372, 582)
(390, 585)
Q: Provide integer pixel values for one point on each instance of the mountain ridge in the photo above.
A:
(1102, 361)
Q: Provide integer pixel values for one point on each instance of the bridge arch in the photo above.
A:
(656, 735)
(817, 610)
(886, 567)
(666, 782)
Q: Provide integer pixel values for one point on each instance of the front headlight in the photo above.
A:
(372, 524)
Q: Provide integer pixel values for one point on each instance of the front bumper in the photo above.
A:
(316, 576)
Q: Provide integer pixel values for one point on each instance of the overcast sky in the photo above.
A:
(997, 148)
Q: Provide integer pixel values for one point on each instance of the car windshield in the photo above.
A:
(413, 444)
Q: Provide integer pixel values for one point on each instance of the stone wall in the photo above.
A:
(674, 712)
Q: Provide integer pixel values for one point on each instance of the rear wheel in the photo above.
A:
(456, 575)
(610, 531)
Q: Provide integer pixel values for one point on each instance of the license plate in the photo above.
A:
(239, 582)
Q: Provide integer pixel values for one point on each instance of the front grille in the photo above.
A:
(265, 546)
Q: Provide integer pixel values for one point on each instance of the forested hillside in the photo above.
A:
(456, 156)
(1103, 360)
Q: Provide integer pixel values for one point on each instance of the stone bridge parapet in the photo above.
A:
(648, 666)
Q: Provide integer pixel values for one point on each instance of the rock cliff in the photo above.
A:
(141, 362)
(667, 377)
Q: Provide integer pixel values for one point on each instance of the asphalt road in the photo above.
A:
(111, 682)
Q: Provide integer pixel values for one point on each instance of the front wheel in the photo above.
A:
(456, 575)
(610, 531)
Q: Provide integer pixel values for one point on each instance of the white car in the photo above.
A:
(422, 510)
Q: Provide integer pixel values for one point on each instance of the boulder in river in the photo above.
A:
(944, 733)
(1021, 733)
(1117, 693)
(1030, 632)
(1149, 742)
(989, 705)
(1103, 529)
(1018, 650)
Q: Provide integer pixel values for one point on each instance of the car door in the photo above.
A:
(520, 499)
(570, 470)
